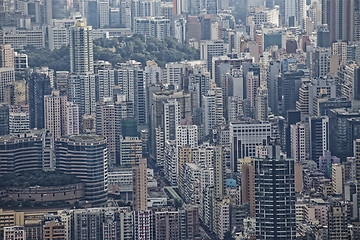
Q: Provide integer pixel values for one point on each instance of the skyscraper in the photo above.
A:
(39, 86)
(4, 119)
(319, 137)
(55, 114)
(341, 20)
(219, 173)
(275, 198)
(244, 137)
(81, 48)
(140, 185)
(86, 157)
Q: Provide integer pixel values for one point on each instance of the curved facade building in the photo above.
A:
(86, 157)
(26, 152)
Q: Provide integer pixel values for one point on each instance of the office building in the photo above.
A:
(261, 104)
(86, 157)
(244, 137)
(39, 86)
(81, 49)
(357, 159)
(4, 119)
(248, 187)
(273, 86)
(210, 49)
(341, 21)
(275, 205)
(342, 129)
(130, 150)
(171, 119)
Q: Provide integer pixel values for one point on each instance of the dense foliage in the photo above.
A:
(37, 178)
(117, 50)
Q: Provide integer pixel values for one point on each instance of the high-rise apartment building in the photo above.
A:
(157, 27)
(187, 135)
(82, 92)
(140, 186)
(107, 126)
(55, 114)
(34, 151)
(319, 137)
(81, 48)
(275, 198)
(219, 173)
(6, 56)
(338, 222)
(53, 230)
(14, 233)
(167, 225)
(86, 157)
(357, 158)
(298, 142)
(7, 75)
(143, 224)
(213, 110)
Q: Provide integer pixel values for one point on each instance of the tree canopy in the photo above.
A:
(118, 50)
(37, 178)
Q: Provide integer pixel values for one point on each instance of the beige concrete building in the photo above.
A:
(140, 185)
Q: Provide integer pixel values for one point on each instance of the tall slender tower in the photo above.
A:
(275, 205)
(220, 174)
(81, 48)
(140, 185)
(357, 155)
(55, 113)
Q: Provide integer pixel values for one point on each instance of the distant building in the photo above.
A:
(81, 49)
(89, 154)
(275, 219)
(157, 27)
(14, 233)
